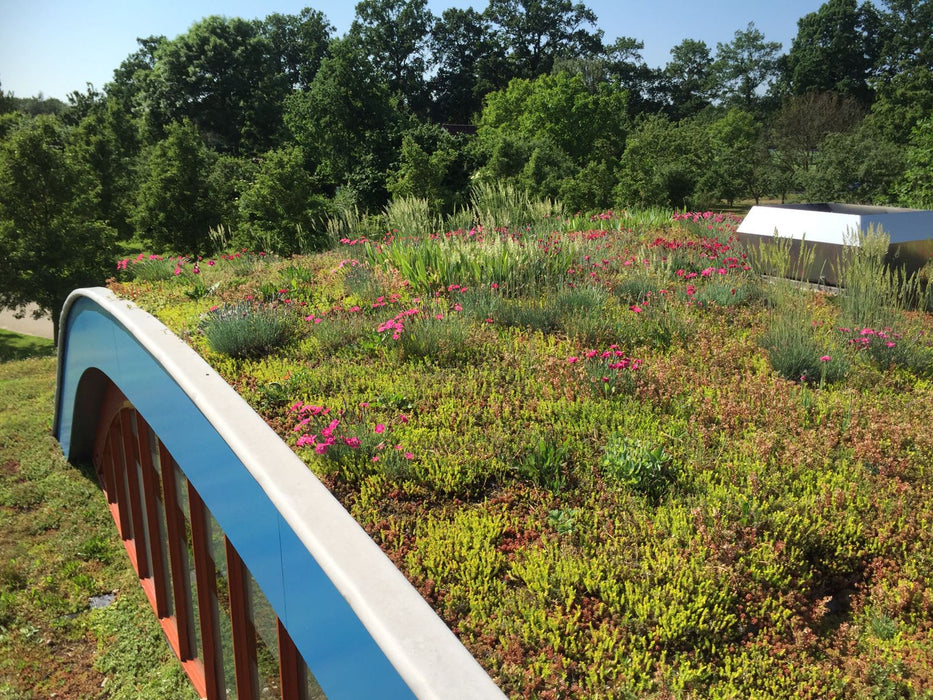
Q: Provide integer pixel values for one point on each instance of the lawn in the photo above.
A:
(614, 457)
(59, 549)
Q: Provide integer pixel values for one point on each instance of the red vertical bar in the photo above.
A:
(136, 508)
(152, 508)
(291, 674)
(206, 578)
(175, 527)
(244, 635)
(118, 470)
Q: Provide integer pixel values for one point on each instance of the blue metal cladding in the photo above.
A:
(339, 651)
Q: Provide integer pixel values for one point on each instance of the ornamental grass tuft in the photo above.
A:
(245, 331)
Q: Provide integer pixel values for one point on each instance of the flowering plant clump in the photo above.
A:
(347, 438)
(609, 372)
(889, 348)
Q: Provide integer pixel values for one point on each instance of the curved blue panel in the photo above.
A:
(338, 648)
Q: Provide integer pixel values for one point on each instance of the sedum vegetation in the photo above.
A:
(615, 459)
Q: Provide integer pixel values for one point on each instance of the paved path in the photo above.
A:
(27, 325)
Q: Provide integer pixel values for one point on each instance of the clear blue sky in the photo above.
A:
(57, 46)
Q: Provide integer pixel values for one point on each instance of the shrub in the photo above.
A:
(242, 331)
(797, 354)
(725, 294)
(152, 269)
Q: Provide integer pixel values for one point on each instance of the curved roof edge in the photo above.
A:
(423, 650)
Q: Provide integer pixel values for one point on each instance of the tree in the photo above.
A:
(662, 163)
(176, 207)
(280, 209)
(735, 162)
(349, 124)
(801, 124)
(688, 77)
(536, 32)
(432, 167)
(836, 49)
(559, 108)
(915, 189)
(744, 66)
(51, 238)
(542, 132)
(108, 141)
(904, 89)
(6, 102)
(620, 66)
(299, 43)
(468, 64)
(132, 87)
(394, 33)
(223, 76)
(860, 167)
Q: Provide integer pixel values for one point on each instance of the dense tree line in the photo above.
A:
(261, 129)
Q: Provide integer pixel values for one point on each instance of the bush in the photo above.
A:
(797, 354)
(242, 331)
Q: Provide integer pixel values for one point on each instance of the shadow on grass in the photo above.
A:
(15, 346)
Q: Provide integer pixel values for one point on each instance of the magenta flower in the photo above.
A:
(825, 358)
(380, 428)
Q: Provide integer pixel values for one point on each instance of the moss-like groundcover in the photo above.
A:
(615, 459)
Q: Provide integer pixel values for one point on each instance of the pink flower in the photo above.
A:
(636, 309)
(825, 358)
(380, 428)
(571, 360)
(409, 455)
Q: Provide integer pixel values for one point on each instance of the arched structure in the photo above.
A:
(264, 584)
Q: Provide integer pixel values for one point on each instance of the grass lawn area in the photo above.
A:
(58, 549)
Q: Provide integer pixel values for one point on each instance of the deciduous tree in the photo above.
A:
(836, 49)
(689, 81)
(350, 136)
(537, 32)
(394, 34)
(176, 207)
(744, 67)
(468, 64)
(52, 239)
(915, 189)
